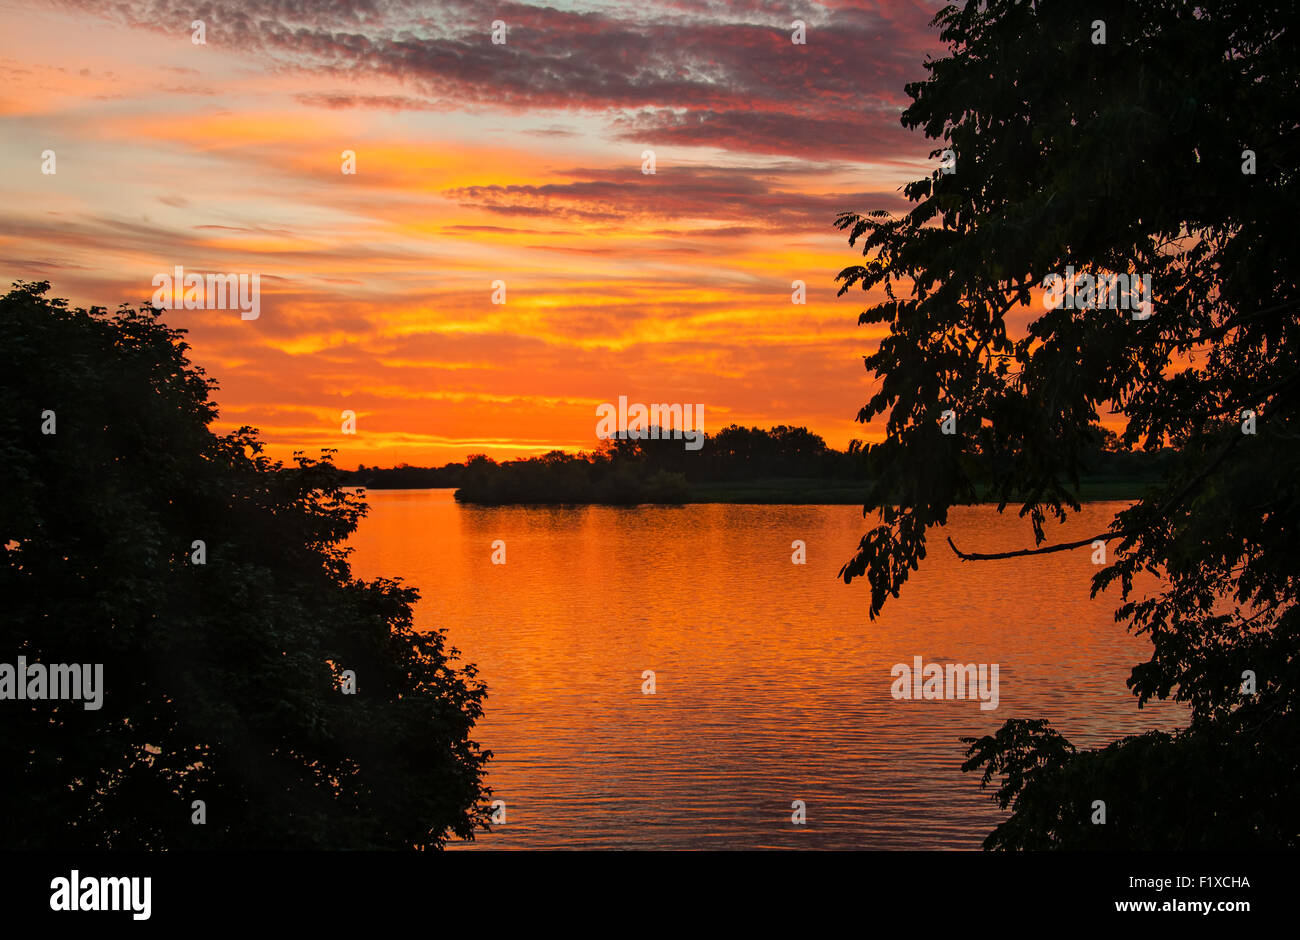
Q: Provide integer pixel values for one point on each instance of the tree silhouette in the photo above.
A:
(224, 681)
(1169, 150)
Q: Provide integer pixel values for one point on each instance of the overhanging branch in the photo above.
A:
(1105, 536)
(1045, 550)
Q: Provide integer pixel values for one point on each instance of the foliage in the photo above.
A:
(1125, 157)
(222, 680)
(405, 477)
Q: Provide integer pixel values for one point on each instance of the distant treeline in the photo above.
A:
(654, 469)
(628, 471)
(406, 477)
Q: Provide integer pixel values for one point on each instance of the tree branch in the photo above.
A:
(1062, 547)
(1105, 536)
(1218, 331)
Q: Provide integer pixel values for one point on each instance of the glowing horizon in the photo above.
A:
(475, 162)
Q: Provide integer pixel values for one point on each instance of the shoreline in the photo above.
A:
(793, 493)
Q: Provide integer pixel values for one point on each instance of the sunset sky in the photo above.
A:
(475, 162)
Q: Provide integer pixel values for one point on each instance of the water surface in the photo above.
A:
(772, 683)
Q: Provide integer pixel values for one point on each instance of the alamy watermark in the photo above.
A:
(651, 422)
(58, 681)
(1083, 291)
(77, 893)
(181, 291)
(954, 681)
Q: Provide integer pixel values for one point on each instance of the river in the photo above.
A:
(771, 683)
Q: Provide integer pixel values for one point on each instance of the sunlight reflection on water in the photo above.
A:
(772, 682)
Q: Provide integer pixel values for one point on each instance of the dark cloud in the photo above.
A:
(756, 131)
(370, 102)
(750, 200)
(685, 72)
(553, 131)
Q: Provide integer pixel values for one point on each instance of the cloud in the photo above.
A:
(337, 102)
(476, 162)
(874, 136)
(730, 73)
(741, 199)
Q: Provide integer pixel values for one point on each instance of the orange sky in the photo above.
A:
(475, 162)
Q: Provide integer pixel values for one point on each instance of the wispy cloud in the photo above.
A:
(475, 163)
